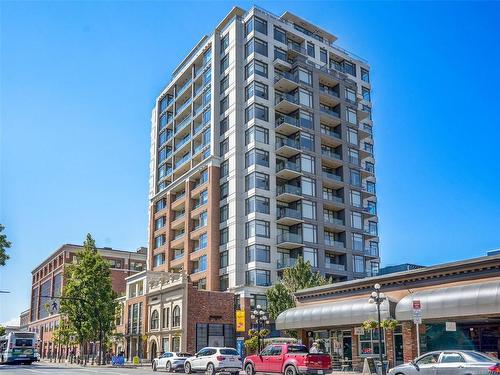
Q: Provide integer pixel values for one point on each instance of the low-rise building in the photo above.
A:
(24, 320)
(48, 281)
(457, 303)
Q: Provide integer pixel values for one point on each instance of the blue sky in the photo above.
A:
(79, 79)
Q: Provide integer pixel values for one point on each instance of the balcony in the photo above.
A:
(199, 148)
(294, 50)
(371, 251)
(287, 147)
(332, 198)
(182, 142)
(287, 170)
(369, 189)
(286, 103)
(335, 244)
(332, 155)
(332, 178)
(371, 231)
(288, 193)
(181, 90)
(289, 240)
(182, 124)
(330, 112)
(183, 106)
(335, 266)
(329, 91)
(285, 81)
(286, 263)
(331, 133)
(371, 210)
(334, 221)
(288, 216)
(287, 124)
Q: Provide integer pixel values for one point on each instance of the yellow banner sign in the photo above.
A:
(240, 320)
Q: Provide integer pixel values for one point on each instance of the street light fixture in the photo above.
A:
(259, 317)
(378, 298)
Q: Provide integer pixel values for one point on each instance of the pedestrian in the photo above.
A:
(314, 348)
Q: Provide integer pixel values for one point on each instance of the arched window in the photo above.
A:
(155, 320)
(176, 316)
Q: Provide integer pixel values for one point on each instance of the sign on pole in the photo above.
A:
(359, 331)
(451, 326)
(417, 319)
(240, 320)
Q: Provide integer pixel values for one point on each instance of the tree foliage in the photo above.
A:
(89, 302)
(300, 276)
(4, 244)
(2, 330)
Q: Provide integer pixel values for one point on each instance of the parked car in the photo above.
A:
(449, 362)
(212, 360)
(170, 361)
(288, 359)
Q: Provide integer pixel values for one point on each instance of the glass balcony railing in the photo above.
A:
(296, 48)
(199, 148)
(183, 88)
(334, 221)
(373, 251)
(373, 231)
(182, 160)
(331, 133)
(178, 255)
(331, 154)
(282, 142)
(183, 106)
(287, 119)
(288, 212)
(332, 198)
(289, 237)
(369, 188)
(290, 165)
(286, 263)
(288, 189)
(178, 216)
(332, 176)
(182, 142)
(334, 243)
(330, 112)
(181, 125)
(370, 209)
(335, 266)
(288, 97)
(178, 236)
(329, 91)
(287, 75)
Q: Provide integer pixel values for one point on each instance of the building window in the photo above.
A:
(224, 125)
(256, 111)
(310, 49)
(366, 93)
(352, 136)
(224, 213)
(159, 241)
(355, 198)
(369, 343)
(356, 221)
(257, 203)
(306, 119)
(353, 156)
(258, 89)
(258, 278)
(224, 236)
(257, 228)
(257, 134)
(224, 147)
(311, 256)
(310, 233)
(350, 94)
(308, 186)
(224, 84)
(307, 163)
(176, 316)
(355, 177)
(305, 76)
(200, 265)
(224, 104)
(223, 259)
(257, 67)
(160, 222)
(256, 45)
(160, 205)
(158, 260)
(224, 168)
(257, 180)
(308, 209)
(224, 63)
(357, 242)
(256, 23)
(155, 320)
(349, 68)
(323, 57)
(279, 35)
(165, 317)
(351, 116)
(224, 282)
(306, 141)
(258, 253)
(257, 157)
(258, 299)
(365, 75)
(305, 98)
(359, 264)
(224, 42)
(224, 190)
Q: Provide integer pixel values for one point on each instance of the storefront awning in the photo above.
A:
(329, 314)
(455, 301)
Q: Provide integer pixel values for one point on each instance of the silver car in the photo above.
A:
(170, 361)
(449, 362)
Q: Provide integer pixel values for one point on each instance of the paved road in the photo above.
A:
(42, 368)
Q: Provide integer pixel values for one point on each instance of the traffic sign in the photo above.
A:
(416, 305)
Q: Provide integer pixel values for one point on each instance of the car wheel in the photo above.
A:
(168, 367)
(249, 370)
(210, 369)
(154, 366)
(290, 370)
(187, 368)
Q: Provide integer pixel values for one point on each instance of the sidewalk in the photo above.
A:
(67, 363)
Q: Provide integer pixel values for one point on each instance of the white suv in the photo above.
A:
(212, 360)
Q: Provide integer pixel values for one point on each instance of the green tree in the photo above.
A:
(4, 244)
(89, 302)
(2, 330)
(300, 276)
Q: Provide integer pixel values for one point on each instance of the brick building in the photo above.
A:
(466, 293)
(48, 280)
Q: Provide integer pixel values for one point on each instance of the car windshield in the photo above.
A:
(478, 357)
(298, 349)
(183, 354)
(229, 352)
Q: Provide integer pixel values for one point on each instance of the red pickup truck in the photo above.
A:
(287, 359)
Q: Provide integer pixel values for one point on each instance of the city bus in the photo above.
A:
(18, 347)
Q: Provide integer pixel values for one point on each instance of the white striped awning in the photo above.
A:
(455, 301)
(329, 314)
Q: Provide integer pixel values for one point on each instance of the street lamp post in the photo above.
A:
(378, 297)
(259, 316)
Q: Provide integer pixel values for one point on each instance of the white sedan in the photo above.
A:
(213, 360)
(170, 361)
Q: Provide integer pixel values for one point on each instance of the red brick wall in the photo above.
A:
(206, 307)
(410, 340)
